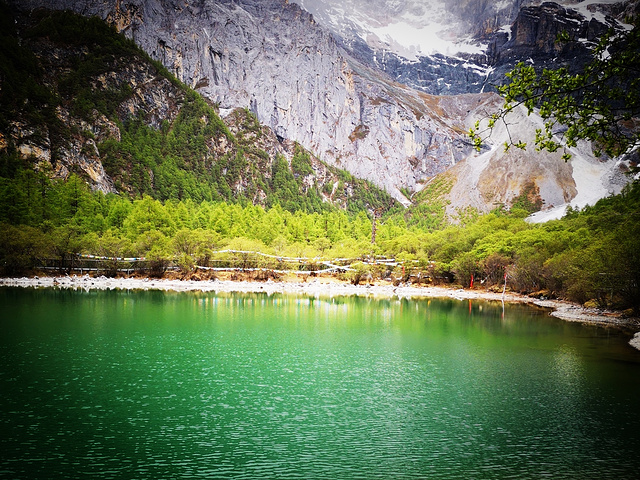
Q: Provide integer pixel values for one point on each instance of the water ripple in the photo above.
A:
(274, 388)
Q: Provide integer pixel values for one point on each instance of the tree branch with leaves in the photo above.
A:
(599, 103)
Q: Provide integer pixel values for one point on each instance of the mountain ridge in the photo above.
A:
(272, 58)
(321, 106)
(504, 33)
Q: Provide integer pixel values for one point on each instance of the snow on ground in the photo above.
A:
(583, 8)
(589, 175)
(506, 29)
(548, 215)
(411, 30)
(427, 38)
(593, 178)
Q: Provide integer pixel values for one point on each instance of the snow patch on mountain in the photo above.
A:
(408, 28)
(495, 177)
(594, 180)
(588, 8)
(418, 28)
(413, 37)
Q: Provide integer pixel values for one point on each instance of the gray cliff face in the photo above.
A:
(535, 31)
(271, 56)
(244, 158)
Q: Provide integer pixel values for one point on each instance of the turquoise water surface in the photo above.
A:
(114, 384)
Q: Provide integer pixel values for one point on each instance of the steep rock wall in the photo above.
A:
(101, 110)
(271, 56)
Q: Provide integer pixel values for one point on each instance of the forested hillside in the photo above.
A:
(77, 97)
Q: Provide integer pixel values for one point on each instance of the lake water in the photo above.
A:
(112, 384)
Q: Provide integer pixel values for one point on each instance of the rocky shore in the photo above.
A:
(326, 286)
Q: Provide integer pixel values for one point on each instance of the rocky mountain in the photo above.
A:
(414, 28)
(308, 85)
(271, 56)
(443, 47)
(78, 98)
(494, 178)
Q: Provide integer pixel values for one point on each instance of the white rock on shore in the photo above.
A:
(313, 287)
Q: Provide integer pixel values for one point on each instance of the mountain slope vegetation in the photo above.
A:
(80, 98)
(588, 256)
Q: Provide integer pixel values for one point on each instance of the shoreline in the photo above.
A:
(324, 286)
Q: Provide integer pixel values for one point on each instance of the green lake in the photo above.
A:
(116, 384)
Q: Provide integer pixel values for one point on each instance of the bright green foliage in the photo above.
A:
(529, 199)
(590, 254)
(599, 103)
(172, 163)
(283, 183)
(301, 162)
